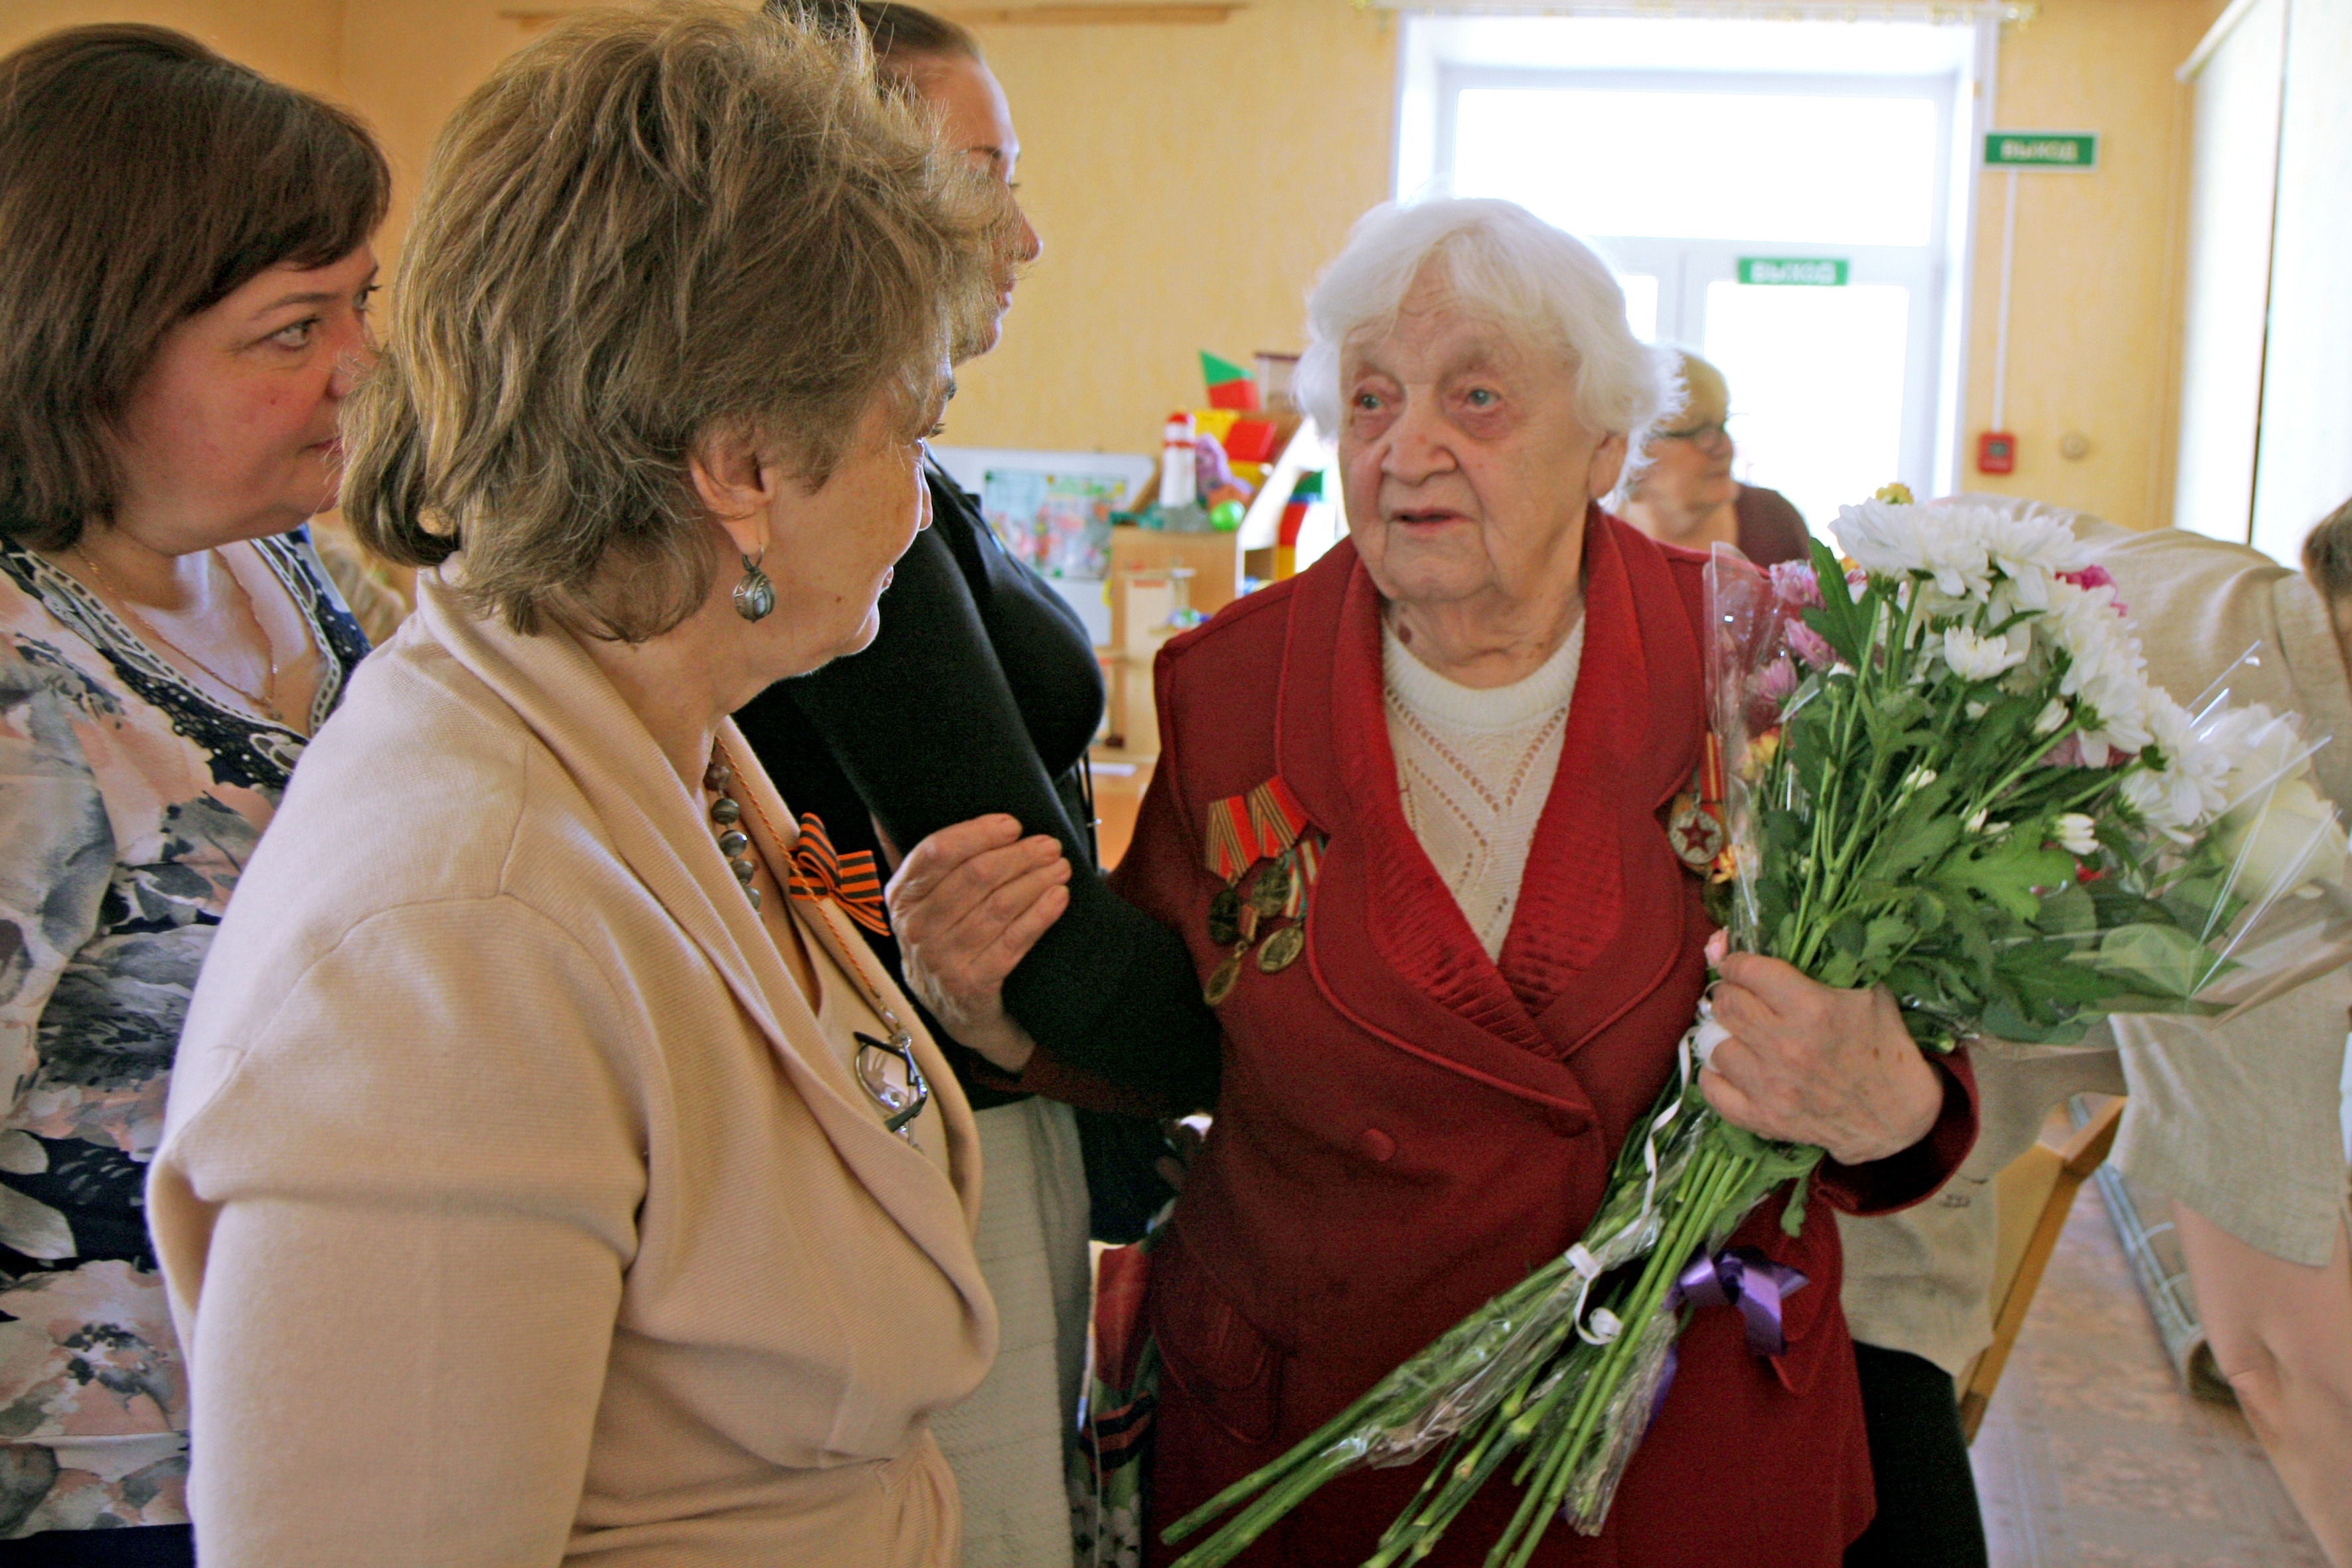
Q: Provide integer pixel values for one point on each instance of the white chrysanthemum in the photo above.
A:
(1874, 536)
(1977, 657)
(2278, 832)
(2051, 716)
(2283, 840)
(2262, 748)
(2076, 834)
(2188, 791)
(2029, 548)
(2104, 670)
(2083, 622)
(1899, 541)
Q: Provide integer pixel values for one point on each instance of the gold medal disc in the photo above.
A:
(1224, 917)
(1281, 950)
(1222, 979)
(1271, 891)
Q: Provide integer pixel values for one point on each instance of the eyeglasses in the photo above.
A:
(888, 1072)
(1714, 433)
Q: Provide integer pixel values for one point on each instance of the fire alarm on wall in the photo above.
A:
(1996, 452)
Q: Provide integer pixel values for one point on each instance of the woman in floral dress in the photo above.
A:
(181, 314)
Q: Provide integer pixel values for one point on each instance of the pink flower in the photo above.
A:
(2094, 576)
(1811, 646)
(2069, 753)
(1779, 679)
(1793, 582)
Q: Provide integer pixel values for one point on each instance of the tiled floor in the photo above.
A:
(2091, 1456)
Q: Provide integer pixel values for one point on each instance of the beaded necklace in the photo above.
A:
(885, 1069)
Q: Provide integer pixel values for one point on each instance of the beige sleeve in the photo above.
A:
(1921, 1280)
(2243, 1122)
(394, 1220)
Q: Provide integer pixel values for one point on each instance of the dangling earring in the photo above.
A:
(755, 596)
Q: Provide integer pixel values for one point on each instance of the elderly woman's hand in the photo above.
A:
(1808, 1064)
(966, 906)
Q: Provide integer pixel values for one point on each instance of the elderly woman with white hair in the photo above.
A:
(1411, 818)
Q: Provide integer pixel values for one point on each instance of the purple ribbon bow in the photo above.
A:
(1737, 1276)
(1744, 1277)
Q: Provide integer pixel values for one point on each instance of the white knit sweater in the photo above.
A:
(1474, 768)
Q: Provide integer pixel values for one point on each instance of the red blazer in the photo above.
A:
(1405, 1127)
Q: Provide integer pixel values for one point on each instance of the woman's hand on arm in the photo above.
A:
(967, 904)
(1808, 1064)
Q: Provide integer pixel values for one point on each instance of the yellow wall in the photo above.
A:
(404, 64)
(1188, 182)
(298, 41)
(2094, 343)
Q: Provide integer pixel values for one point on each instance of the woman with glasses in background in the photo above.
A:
(1686, 495)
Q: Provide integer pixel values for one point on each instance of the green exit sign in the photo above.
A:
(2077, 150)
(1804, 271)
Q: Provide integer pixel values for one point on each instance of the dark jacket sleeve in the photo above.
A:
(924, 724)
(1771, 529)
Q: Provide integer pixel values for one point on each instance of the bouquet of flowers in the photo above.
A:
(1944, 771)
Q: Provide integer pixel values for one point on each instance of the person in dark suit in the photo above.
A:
(980, 696)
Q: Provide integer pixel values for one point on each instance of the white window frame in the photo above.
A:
(1434, 69)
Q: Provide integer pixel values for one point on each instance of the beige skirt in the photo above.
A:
(1008, 1444)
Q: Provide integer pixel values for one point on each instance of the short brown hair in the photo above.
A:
(142, 178)
(649, 228)
(2328, 554)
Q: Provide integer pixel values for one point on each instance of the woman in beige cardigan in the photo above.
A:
(551, 1174)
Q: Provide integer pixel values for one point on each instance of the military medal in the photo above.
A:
(1222, 979)
(1272, 890)
(1258, 847)
(1282, 949)
(1224, 917)
(1695, 827)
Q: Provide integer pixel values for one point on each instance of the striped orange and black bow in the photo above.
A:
(820, 871)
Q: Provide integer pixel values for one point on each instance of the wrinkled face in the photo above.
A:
(1465, 465)
(976, 121)
(230, 433)
(830, 550)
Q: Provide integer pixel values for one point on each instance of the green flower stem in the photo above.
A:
(1554, 1416)
(1394, 1402)
(1990, 797)
(1716, 1176)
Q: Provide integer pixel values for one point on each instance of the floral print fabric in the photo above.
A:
(129, 802)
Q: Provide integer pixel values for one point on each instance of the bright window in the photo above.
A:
(1702, 158)
(1711, 185)
(1705, 165)
(1641, 303)
(1816, 378)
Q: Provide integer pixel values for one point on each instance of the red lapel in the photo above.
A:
(1387, 943)
(1599, 872)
